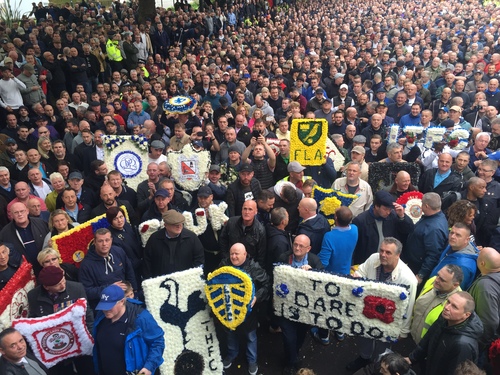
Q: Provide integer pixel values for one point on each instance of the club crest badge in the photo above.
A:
(230, 292)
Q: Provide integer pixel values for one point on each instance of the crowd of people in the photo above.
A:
(72, 75)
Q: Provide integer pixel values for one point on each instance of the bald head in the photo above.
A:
(488, 261)
(402, 180)
(307, 208)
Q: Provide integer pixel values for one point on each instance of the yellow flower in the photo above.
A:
(308, 141)
(229, 299)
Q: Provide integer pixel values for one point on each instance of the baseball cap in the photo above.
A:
(75, 175)
(381, 90)
(162, 193)
(319, 90)
(456, 108)
(384, 198)
(197, 143)
(447, 124)
(358, 150)
(109, 297)
(7, 60)
(29, 67)
(344, 86)
(400, 63)
(444, 109)
(10, 141)
(204, 191)
(494, 156)
(246, 168)
(295, 167)
(94, 104)
(223, 101)
(338, 75)
(214, 167)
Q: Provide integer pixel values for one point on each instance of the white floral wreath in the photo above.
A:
(216, 212)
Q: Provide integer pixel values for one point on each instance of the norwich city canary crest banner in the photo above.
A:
(308, 141)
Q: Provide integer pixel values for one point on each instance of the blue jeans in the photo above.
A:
(233, 345)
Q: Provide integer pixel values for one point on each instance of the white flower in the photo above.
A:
(217, 215)
(432, 135)
(393, 134)
(201, 218)
(413, 129)
(151, 227)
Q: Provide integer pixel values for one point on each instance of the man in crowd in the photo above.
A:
(442, 350)
(387, 266)
(430, 302)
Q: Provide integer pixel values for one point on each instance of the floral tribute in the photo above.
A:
(128, 154)
(329, 200)
(356, 307)
(179, 104)
(178, 304)
(58, 336)
(189, 166)
(382, 174)
(412, 133)
(308, 141)
(433, 134)
(458, 139)
(230, 292)
(379, 308)
(393, 133)
(74, 244)
(217, 220)
(412, 203)
(14, 296)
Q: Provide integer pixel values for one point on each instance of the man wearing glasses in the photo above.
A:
(25, 233)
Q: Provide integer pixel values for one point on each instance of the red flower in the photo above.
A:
(379, 308)
(144, 228)
(200, 213)
(453, 143)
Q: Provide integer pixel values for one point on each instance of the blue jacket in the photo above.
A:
(466, 261)
(137, 119)
(409, 119)
(95, 275)
(145, 341)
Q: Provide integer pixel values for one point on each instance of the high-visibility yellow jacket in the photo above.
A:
(113, 51)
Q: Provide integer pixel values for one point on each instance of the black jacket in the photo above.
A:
(368, 238)
(312, 260)
(426, 183)
(278, 243)
(164, 255)
(253, 237)
(40, 304)
(262, 284)
(39, 229)
(236, 195)
(445, 347)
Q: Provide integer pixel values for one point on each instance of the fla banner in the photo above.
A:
(308, 141)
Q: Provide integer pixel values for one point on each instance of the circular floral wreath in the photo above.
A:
(179, 104)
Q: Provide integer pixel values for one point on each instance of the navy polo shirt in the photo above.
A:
(110, 343)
